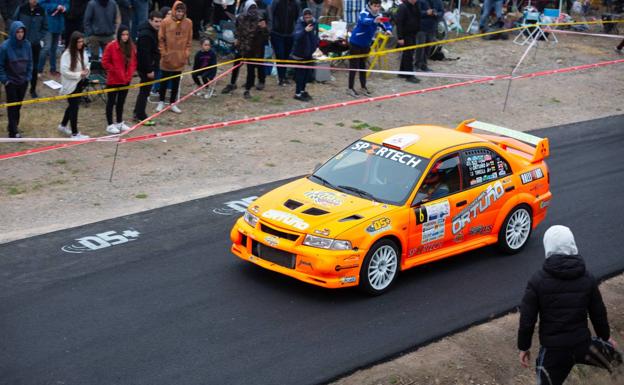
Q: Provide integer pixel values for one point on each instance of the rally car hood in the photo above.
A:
(306, 207)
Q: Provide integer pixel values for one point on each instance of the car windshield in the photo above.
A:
(372, 171)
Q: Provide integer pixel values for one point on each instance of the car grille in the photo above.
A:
(278, 233)
(271, 254)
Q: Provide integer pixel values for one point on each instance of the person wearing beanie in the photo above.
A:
(563, 293)
(120, 61)
(174, 42)
(16, 67)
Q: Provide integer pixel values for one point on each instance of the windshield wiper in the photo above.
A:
(358, 191)
(325, 182)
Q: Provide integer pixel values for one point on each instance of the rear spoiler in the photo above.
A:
(539, 149)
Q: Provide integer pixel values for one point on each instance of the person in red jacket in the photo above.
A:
(120, 62)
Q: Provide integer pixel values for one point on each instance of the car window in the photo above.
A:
(483, 165)
(372, 171)
(444, 178)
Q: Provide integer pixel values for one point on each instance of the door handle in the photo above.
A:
(461, 203)
(510, 188)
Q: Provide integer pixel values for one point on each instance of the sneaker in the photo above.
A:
(149, 123)
(199, 93)
(366, 92)
(281, 83)
(307, 96)
(260, 86)
(618, 50)
(300, 97)
(247, 95)
(122, 126)
(64, 129)
(154, 93)
(17, 136)
(426, 69)
(209, 92)
(352, 92)
(413, 79)
(176, 109)
(33, 94)
(79, 136)
(229, 88)
(112, 129)
(160, 106)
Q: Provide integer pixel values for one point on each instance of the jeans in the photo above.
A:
(282, 45)
(95, 43)
(358, 63)
(175, 86)
(71, 112)
(139, 15)
(422, 54)
(487, 8)
(14, 93)
(115, 99)
(51, 44)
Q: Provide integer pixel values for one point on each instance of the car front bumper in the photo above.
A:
(325, 268)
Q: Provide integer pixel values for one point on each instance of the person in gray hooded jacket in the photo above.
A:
(563, 293)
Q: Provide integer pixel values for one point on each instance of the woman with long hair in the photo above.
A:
(74, 72)
(120, 62)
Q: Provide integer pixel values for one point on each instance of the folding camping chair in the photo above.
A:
(96, 81)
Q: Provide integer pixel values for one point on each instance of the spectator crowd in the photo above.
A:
(153, 40)
(128, 38)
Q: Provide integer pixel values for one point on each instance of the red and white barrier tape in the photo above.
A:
(565, 31)
(408, 73)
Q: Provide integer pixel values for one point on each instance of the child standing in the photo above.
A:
(205, 57)
(120, 62)
(74, 72)
(361, 40)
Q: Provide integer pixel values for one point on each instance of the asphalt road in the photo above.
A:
(172, 306)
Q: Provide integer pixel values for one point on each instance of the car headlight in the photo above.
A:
(326, 243)
(251, 219)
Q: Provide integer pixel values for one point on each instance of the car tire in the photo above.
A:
(380, 267)
(516, 230)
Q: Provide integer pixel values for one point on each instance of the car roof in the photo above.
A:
(431, 139)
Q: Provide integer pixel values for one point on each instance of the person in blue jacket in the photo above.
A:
(34, 18)
(305, 42)
(361, 40)
(431, 12)
(15, 72)
(55, 11)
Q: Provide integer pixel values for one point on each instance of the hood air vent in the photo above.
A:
(315, 211)
(291, 204)
(355, 217)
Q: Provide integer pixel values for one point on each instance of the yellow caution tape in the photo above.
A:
(287, 61)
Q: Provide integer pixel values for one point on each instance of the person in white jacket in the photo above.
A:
(74, 72)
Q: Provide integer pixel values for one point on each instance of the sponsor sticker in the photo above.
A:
(532, 175)
(424, 249)
(490, 195)
(432, 231)
(379, 225)
(286, 218)
(387, 153)
(430, 212)
(271, 240)
(323, 198)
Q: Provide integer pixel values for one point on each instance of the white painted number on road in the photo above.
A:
(101, 241)
(233, 207)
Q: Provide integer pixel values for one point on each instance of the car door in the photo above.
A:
(487, 177)
(436, 200)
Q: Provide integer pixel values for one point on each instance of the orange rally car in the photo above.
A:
(399, 198)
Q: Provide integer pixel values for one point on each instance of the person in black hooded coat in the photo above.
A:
(563, 293)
